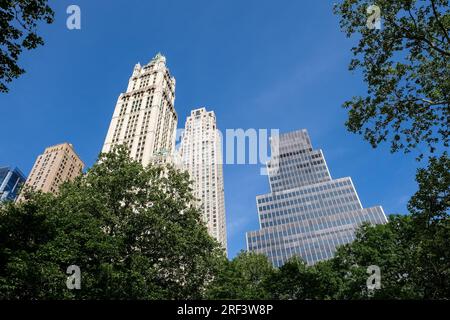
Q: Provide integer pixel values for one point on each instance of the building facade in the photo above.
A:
(11, 179)
(144, 118)
(201, 155)
(56, 165)
(307, 213)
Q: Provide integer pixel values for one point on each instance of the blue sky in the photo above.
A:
(256, 63)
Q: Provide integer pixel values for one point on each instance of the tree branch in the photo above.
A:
(416, 27)
(416, 37)
(439, 22)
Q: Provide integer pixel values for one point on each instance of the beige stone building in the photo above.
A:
(56, 165)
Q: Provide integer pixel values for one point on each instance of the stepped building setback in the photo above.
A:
(307, 213)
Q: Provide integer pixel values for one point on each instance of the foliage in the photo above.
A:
(245, 277)
(391, 248)
(131, 230)
(18, 24)
(295, 280)
(412, 252)
(406, 66)
(431, 202)
(135, 235)
(430, 209)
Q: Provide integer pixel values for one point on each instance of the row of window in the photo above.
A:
(335, 184)
(287, 240)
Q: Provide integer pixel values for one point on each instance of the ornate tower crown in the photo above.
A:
(159, 57)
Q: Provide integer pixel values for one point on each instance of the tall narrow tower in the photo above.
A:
(145, 119)
(201, 156)
(307, 213)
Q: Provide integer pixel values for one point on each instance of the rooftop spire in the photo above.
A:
(159, 56)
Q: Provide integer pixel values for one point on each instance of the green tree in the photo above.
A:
(297, 281)
(406, 66)
(430, 209)
(430, 204)
(245, 277)
(18, 31)
(292, 281)
(413, 252)
(390, 247)
(131, 230)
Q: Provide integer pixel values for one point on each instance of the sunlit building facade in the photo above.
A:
(201, 156)
(144, 118)
(58, 164)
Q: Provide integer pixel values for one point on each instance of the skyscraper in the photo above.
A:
(307, 213)
(10, 181)
(56, 165)
(144, 118)
(201, 156)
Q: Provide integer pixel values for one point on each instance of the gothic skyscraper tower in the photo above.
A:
(145, 119)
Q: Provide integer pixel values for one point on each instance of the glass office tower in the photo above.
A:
(307, 213)
(10, 181)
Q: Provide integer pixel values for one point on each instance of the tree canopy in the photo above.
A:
(135, 234)
(132, 231)
(406, 66)
(18, 30)
(411, 251)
